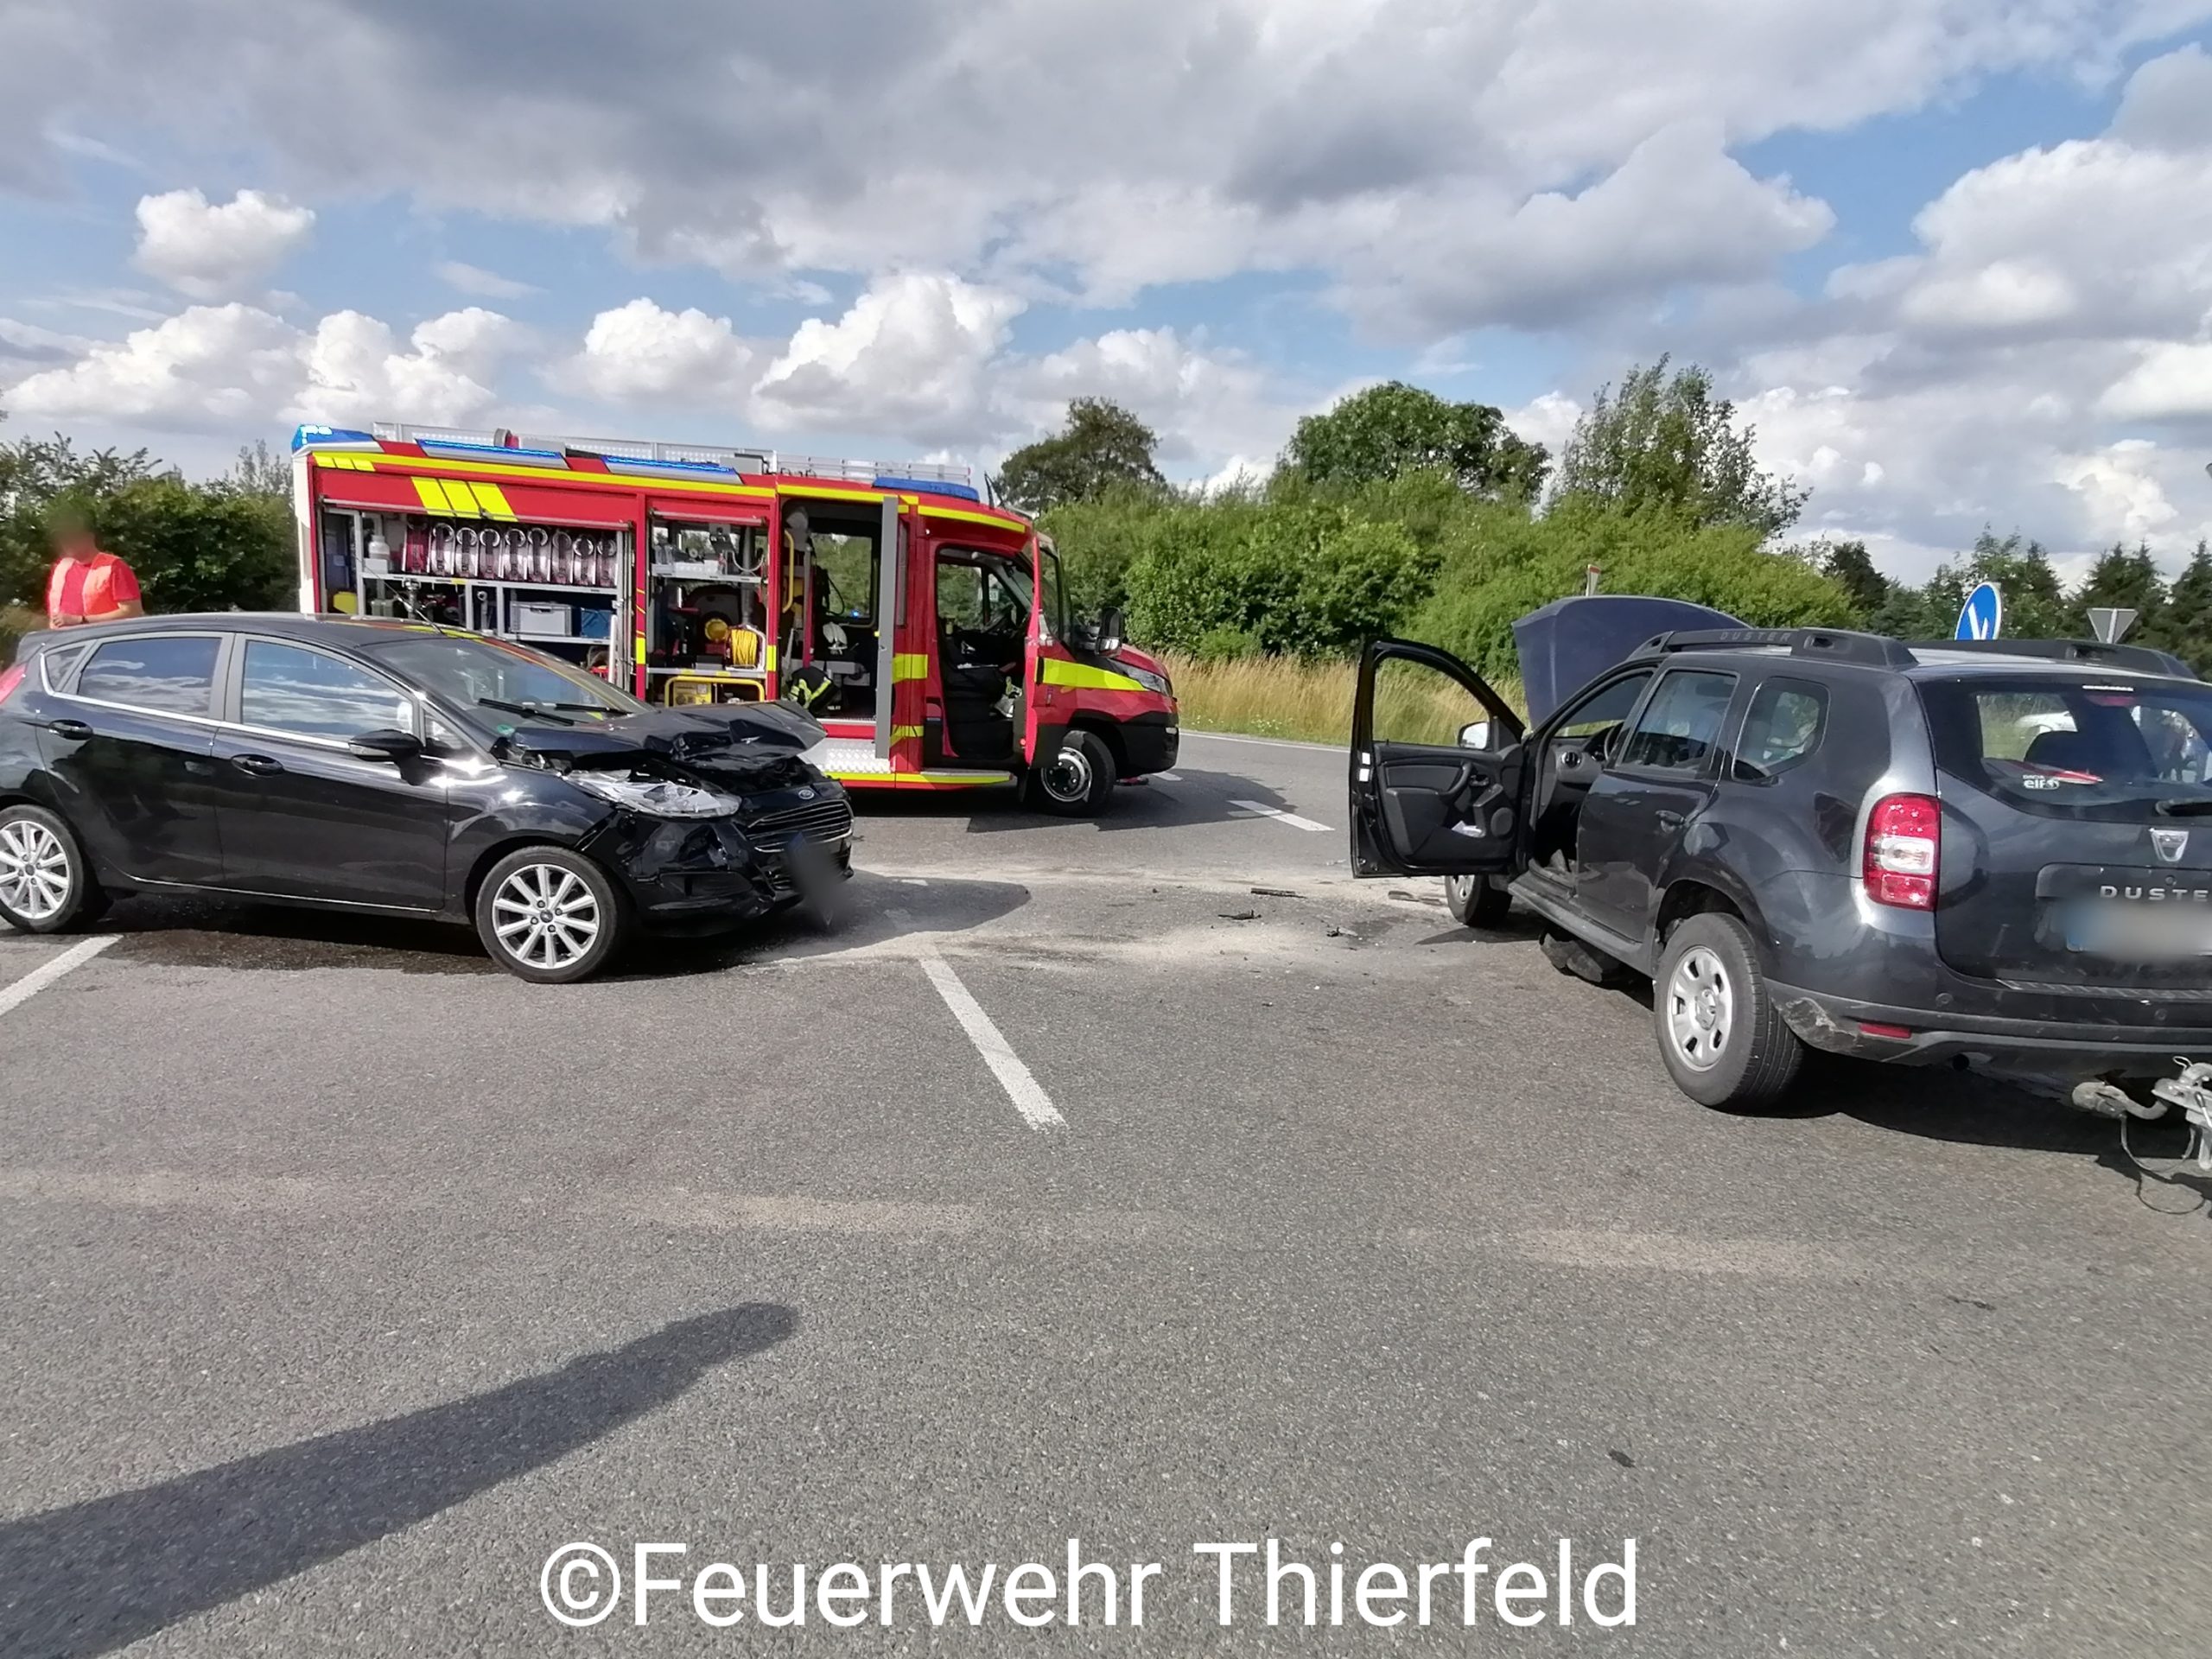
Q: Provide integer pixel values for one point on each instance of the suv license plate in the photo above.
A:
(2141, 932)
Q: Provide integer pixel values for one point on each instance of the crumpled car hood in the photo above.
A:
(713, 734)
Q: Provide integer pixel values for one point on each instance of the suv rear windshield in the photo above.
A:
(2101, 749)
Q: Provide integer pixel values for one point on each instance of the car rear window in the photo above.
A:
(2102, 748)
(171, 673)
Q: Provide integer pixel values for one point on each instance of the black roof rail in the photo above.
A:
(1836, 644)
(2143, 658)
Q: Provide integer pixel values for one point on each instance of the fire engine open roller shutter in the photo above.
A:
(706, 513)
(502, 501)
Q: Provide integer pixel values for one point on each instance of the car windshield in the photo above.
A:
(2107, 749)
(478, 673)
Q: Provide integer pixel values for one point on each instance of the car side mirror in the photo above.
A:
(1480, 735)
(1112, 624)
(390, 745)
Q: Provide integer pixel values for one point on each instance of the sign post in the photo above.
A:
(1982, 617)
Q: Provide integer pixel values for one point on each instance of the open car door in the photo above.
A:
(1436, 761)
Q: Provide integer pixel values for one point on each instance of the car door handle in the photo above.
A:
(1668, 820)
(75, 730)
(260, 765)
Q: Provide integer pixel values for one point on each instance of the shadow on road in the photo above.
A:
(100, 1575)
(192, 933)
(1196, 797)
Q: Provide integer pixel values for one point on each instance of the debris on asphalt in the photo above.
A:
(1336, 933)
(1274, 893)
(1240, 915)
(1416, 898)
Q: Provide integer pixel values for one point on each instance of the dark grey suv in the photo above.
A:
(1989, 852)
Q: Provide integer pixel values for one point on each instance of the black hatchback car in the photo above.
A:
(400, 768)
(1991, 852)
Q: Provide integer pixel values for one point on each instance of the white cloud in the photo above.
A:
(908, 356)
(240, 367)
(485, 285)
(2173, 382)
(214, 251)
(641, 352)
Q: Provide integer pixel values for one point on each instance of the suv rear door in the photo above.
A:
(1436, 766)
(2077, 827)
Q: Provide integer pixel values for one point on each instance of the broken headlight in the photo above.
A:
(656, 798)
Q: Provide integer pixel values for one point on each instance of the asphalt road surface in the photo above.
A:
(1077, 1187)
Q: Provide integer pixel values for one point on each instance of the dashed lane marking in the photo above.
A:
(46, 973)
(1169, 777)
(1279, 815)
(1027, 1095)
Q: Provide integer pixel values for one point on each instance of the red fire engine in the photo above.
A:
(926, 629)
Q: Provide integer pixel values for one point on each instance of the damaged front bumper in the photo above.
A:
(698, 874)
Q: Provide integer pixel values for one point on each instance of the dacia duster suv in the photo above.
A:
(1996, 853)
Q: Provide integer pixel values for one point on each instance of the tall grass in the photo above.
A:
(1288, 696)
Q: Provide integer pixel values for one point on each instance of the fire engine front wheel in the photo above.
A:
(1076, 781)
(550, 916)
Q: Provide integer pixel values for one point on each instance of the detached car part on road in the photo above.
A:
(1997, 853)
(403, 769)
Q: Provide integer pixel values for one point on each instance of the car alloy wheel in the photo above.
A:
(35, 874)
(1700, 1008)
(545, 917)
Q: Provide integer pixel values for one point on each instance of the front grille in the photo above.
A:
(818, 820)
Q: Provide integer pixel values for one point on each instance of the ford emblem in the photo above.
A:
(806, 793)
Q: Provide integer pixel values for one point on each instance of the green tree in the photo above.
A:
(1667, 444)
(2034, 604)
(1391, 431)
(1851, 568)
(2185, 621)
(259, 471)
(1102, 446)
(2125, 580)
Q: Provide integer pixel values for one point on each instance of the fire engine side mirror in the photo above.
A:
(1111, 627)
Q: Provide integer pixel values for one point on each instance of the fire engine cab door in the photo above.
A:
(890, 619)
(1435, 766)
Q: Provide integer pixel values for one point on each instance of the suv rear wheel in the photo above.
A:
(550, 916)
(1724, 1040)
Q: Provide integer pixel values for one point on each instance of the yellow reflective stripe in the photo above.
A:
(1085, 678)
(435, 500)
(967, 518)
(825, 493)
(891, 779)
(490, 497)
(909, 666)
(900, 734)
(346, 463)
(641, 653)
(768, 658)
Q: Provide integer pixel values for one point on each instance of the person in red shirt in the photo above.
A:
(87, 585)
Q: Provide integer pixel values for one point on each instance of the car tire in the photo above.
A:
(46, 881)
(1076, 782)
(1721, 1033)
(550, 916)
(1477, 901)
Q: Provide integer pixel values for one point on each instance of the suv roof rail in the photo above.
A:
(1836, 644)
(2146, 658)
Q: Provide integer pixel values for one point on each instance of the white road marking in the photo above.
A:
(46, 973)
(1268, 742)
(1276, 812)
(1027, 1095)
(1169, 777)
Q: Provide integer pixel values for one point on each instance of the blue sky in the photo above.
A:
(1953, 256)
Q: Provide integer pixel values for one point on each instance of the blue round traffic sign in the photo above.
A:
(1982, 616)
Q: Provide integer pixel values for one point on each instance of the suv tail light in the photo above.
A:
(1904, 837)
(9, 679)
